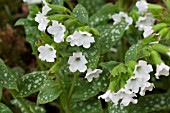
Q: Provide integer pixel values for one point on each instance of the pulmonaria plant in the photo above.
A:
(74, 51)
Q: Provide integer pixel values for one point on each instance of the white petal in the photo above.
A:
(81, 67)
(47, 53)
(162, 69)
(142, 6)
(147, 31)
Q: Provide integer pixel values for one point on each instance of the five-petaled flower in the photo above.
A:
(77, 62)
(142, 6)
(162, 69)
(81, 38)
(92, 74)
(47, 53)
(42, 20)
(57, 29)
(142, 70)
(118, 17)
(41, 17)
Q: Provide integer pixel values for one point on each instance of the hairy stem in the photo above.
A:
(72, 86)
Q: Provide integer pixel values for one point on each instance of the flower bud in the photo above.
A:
(155, 9)
(159, 26)
(156, 57)
(163, 32)
(161, 48)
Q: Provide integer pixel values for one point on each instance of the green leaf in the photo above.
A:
(25, 22)
(32, 35)
(33, 10)
(146, 104)
(49, 92)
(31, 106)
(4, 108)
(57, 2)
(83, 90)
(105, 13)
(109, 65)
(31, 83)
(92, 5)
(118, 70)
(132, 53)
(102, 82)
(94, 50)
(81, 14)
(89, 106)
(7, 79)
(110, 34)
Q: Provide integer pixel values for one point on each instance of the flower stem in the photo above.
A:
(72, 86)
(69, 4)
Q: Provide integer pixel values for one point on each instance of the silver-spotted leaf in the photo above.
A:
(102, 82)
(146, 104)
(81, 14)
(4, 108)
(92, 5)
(57, 2)
(105, 13)
(49, 92)
(89, 106)
(29, 106)
(110, 34)
(92, 54)
(7, 79)
(31, 83)
(83, 90)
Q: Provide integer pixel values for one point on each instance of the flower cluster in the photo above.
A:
(146, 21)
(41, 17)
(77, 62)
(118, 17)
(136, 84)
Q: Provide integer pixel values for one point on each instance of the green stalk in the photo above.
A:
(72, 86)
(64, 96)
(69, 4)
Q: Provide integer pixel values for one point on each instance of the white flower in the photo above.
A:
(47, 53)
(142, 6)
(133, 84)
(136, 84)
(145, 21)
(162, 69)
(142, 70)
(81, 38)
(127, 97)
(77, 62)
(147, 31)
(32, 1)
(146, 86)
(57, 29)
(106, 96)
(92, 74)
(42, 20)
(118, 17)
(45, 8)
